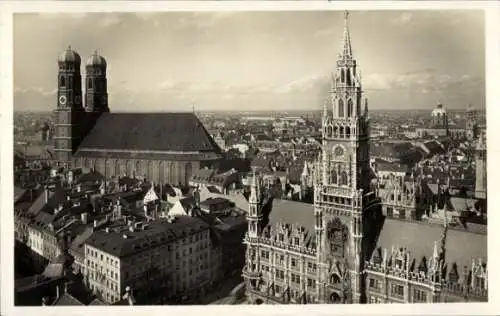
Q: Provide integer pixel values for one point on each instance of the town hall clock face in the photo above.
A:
(339, 151)
(62, 100)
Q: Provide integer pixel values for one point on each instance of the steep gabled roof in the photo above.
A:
(292, 212)
(164, 132)
(461, 246)
(67, 299)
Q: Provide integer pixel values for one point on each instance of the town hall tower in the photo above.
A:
(342, 183)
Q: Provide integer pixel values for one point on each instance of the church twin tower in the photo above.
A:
(73, 118)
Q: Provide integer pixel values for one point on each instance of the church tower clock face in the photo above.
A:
(62, 100)
(338, 151)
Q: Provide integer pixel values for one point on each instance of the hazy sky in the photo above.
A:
(256, 60)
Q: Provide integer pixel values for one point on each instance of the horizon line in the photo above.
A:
(255, 111)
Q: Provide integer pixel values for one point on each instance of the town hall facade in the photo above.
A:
(341, 249)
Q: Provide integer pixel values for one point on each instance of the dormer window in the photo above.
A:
(296, 241)
(479, 282)
(399, 263)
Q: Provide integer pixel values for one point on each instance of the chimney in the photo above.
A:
(197, 197)
(84, 218)
(46, 194)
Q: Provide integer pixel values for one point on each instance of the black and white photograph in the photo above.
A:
(248, 157)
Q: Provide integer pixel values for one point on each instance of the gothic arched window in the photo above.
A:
(189, 169)
(342, 77)
(334, 279)
(335, 131)
(344, 178)
(89, 84)
(333, 176)
(350, 107)
(338, 174)
(117, 168)
(347, 132)
(137, 169)
(63, 82)
(329, 132)
(341, 131)
(348, 77)
(171, 174)
(341, 108)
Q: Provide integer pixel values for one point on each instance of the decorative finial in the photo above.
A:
(325, 108)
(435, 254)
(347, 51)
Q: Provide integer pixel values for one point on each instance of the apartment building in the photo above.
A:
(163, 261)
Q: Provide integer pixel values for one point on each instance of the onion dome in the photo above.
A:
(96, 60)
(69, 56)
(438, 111)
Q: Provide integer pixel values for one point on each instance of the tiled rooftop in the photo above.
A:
(158, 232)
(461, 246)
(181, 132)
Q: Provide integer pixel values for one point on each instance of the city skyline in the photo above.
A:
(440, 58)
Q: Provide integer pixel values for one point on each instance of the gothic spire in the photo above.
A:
(444, 234)
(325, 108)
(435, 256)
(254, 189)
(347, 50)
(305, 171)
(366, 108)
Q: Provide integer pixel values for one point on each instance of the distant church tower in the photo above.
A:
(481, 178)
(471, 123)
(96, 86)
(343, 181)
(69, 106)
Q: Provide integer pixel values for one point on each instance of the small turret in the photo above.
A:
(254, 189)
